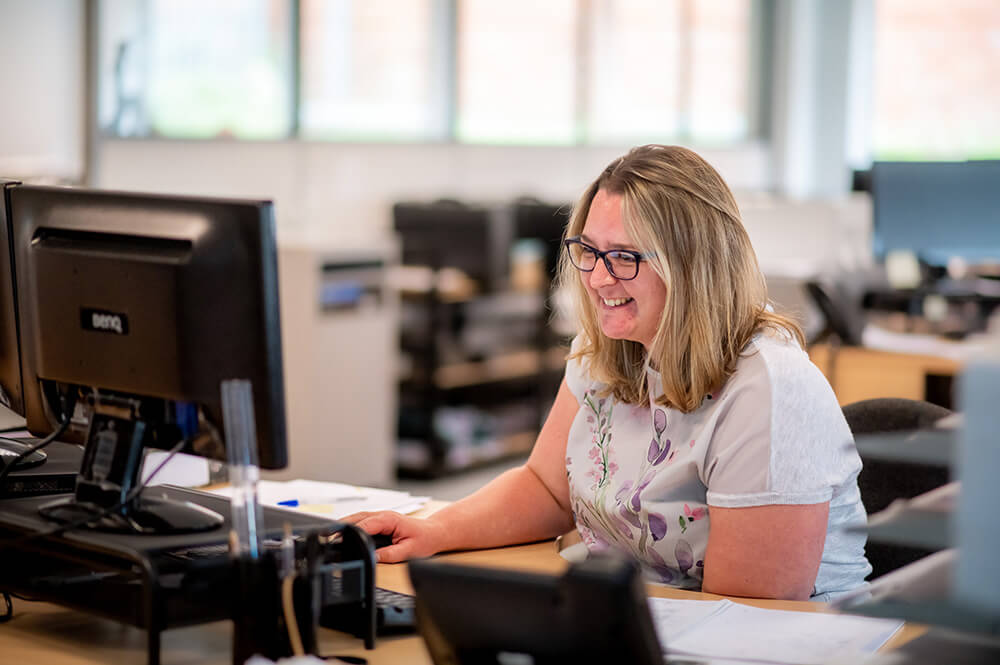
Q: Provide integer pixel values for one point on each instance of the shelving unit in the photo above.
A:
(474, 389)
(478, 365)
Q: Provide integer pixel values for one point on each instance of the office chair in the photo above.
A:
(881, 481)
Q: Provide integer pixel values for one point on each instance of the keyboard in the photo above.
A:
(394, 611)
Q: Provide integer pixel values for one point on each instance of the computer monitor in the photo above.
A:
(10, 356)
(937, 210)
(133, 309)
(11, 399)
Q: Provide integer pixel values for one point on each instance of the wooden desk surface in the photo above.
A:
(858, 373)
(45, 634)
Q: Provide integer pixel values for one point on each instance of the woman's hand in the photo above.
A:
(412, 537)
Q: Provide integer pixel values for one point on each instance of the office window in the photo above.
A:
(936, 73)
(516, 71)
(371, 69)
(191, 69)
(668, 69)
(519, 72)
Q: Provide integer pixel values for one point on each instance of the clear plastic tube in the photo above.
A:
(244, 474)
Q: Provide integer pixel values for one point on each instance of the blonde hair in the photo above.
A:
(677, 209)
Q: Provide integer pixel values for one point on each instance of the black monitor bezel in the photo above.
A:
(10, 348)
(250, 223)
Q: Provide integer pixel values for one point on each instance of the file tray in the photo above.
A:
(160, 582)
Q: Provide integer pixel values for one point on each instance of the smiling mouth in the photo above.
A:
(616, 302)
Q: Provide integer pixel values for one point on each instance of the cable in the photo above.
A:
(288, 606)
(110, 509)
(63, 426)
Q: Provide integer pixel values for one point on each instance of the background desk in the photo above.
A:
(858, 373)
(44, 634)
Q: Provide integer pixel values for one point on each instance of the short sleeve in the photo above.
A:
(780, 436)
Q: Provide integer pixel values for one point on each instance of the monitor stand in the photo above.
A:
(143, 515)
(56, 475)
(105, 497)
(9, 450)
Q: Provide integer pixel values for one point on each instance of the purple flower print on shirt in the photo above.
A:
(659, 421)
(684, 556)
(630, 517)
(658, 450)
(615, 512)
(666, 573)
(623, 491)
(636, 502)
(623, 527)
(657, 526)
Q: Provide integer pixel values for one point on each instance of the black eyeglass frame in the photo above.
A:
(598, 254)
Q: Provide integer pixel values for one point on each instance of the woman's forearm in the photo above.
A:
(516, 507)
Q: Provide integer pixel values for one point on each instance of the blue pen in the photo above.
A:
(294, 503)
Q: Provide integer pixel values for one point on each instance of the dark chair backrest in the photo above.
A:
(882, 481)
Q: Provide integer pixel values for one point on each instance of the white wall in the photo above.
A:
(42, 115)
(348, 189)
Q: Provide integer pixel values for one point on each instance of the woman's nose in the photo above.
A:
(600, 275)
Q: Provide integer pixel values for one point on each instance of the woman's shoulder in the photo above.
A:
(578, 376)
(777, 359)
(776, 370)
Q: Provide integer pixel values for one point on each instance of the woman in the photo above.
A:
(691, 429)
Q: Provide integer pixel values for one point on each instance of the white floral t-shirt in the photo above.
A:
(641, 478)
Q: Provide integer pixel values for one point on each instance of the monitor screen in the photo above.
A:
(133, 309)
(938, 210)
(12, 452)
(10, 356)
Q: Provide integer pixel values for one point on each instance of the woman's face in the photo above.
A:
(626, 309)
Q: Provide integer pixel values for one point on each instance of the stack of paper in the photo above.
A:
(334, 500)
(723, 630)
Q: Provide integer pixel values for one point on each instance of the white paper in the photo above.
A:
(181, 469)
(335, 500)
(672, 617)
(742, 633)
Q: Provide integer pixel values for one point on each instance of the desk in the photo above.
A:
(858, 373)
(44, 634)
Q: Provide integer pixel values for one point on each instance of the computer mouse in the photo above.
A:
(381, 539)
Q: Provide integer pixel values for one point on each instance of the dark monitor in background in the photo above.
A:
(937, 210)
(134, 308)
(450, 234)
(544, 221)
(11, 398)
(10, 355)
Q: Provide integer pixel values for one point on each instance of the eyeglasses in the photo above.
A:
(623, 264)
